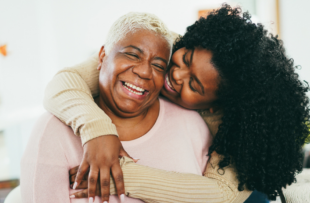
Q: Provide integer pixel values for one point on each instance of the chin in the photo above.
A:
(127, 111)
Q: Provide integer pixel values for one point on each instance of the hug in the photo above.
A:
(210, 116)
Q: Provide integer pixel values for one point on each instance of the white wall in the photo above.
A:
(295, 32)
(44, 36)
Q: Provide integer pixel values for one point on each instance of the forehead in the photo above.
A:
(147, 40)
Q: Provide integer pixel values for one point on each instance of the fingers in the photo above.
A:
(105, 183)
(82, 185)
(80, 194)
(83, 194)
(83, 168)
(73, 171)
(118, 179)
(123, 153)
(72, 178)
(92, 182)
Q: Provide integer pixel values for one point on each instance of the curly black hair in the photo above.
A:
(265, 106)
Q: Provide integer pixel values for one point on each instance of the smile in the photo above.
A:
(134, 89)
(168, 85)
(168, 82)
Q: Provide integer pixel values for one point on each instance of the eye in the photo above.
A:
(159, 67)
(184, 60)
(132, 55)
(190, 85)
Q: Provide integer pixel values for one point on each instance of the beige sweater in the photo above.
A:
(69, 96)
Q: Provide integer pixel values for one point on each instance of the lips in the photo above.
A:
(133, 90)
(168, 85)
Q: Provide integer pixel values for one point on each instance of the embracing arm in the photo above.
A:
(69, 96)
(154, 185)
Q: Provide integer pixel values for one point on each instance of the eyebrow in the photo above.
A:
(191, 59)
(198, 81)
(163, 60)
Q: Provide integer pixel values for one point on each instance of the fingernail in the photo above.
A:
(105, 202)
(135, 160)
(122, 196)
(72, 196)
(74, 186)
(91, 200)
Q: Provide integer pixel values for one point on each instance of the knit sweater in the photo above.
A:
(69, 96)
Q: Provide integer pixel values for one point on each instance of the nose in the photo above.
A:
(180, 74)
(143, 70)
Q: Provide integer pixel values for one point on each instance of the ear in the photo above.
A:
(101, 56)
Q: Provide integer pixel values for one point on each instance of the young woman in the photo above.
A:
(223, 63)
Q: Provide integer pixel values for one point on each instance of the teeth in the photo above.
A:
(168, 82)
(139, 89)
(134, 87)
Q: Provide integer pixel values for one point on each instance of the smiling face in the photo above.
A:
(192, 80)
(132, 74)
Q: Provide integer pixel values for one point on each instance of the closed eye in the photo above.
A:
(190, 85)
(132, 55)
(184, 60)
(159, 66)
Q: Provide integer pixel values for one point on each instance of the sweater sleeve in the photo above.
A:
(159, 186)
(69, 96)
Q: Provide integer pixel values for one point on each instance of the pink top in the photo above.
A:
(178, 141)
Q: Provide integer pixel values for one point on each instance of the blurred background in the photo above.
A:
(39, 37)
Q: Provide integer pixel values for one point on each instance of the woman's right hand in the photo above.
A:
(100, 159)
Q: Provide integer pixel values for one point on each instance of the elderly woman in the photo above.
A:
(225, 64)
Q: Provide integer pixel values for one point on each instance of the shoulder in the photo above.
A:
(188, 120)
(171, 108)
(48, 125)
(50, 133)
(45, 145)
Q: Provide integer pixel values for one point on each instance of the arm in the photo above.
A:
(69, 96)
(159, 186)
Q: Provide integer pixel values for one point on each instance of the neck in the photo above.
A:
(132, 127)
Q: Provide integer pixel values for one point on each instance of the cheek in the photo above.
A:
(188, 97)
(177, 56)
(158, 81)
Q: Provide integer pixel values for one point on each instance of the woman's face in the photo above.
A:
(132, 74)
(192, 80)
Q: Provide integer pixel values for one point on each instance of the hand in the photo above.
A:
(99, 159)
(84, 193)
(83, 185)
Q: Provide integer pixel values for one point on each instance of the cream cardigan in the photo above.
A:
(69, 96)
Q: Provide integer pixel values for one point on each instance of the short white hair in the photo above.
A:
(134, 21)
